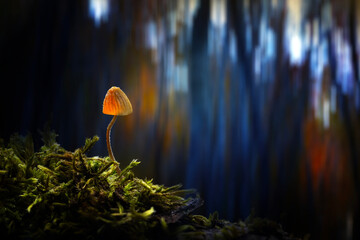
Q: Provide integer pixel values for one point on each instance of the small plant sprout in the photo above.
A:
(115, 103)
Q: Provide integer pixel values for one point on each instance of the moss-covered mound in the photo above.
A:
(57, 193)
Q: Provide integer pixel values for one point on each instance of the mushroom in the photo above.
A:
(115, 103)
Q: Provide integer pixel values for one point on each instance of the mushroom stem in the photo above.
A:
(111, 155)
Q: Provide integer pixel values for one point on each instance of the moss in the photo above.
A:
(58, 193)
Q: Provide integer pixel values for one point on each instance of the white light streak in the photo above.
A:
(99, 10)
(296, 49)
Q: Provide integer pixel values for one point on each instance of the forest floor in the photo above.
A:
(58, 193)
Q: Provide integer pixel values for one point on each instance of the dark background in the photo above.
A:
(256, 104)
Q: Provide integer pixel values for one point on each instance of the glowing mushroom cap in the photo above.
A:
(116, 102)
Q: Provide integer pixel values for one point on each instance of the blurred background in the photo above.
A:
(254, 103)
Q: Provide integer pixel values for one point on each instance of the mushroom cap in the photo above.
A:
(116, 102)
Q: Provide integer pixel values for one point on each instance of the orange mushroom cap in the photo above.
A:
(116, 102)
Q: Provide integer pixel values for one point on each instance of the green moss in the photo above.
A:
(58, 193)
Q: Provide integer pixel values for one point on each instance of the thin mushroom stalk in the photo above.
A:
(116, 103)
(108, 143)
